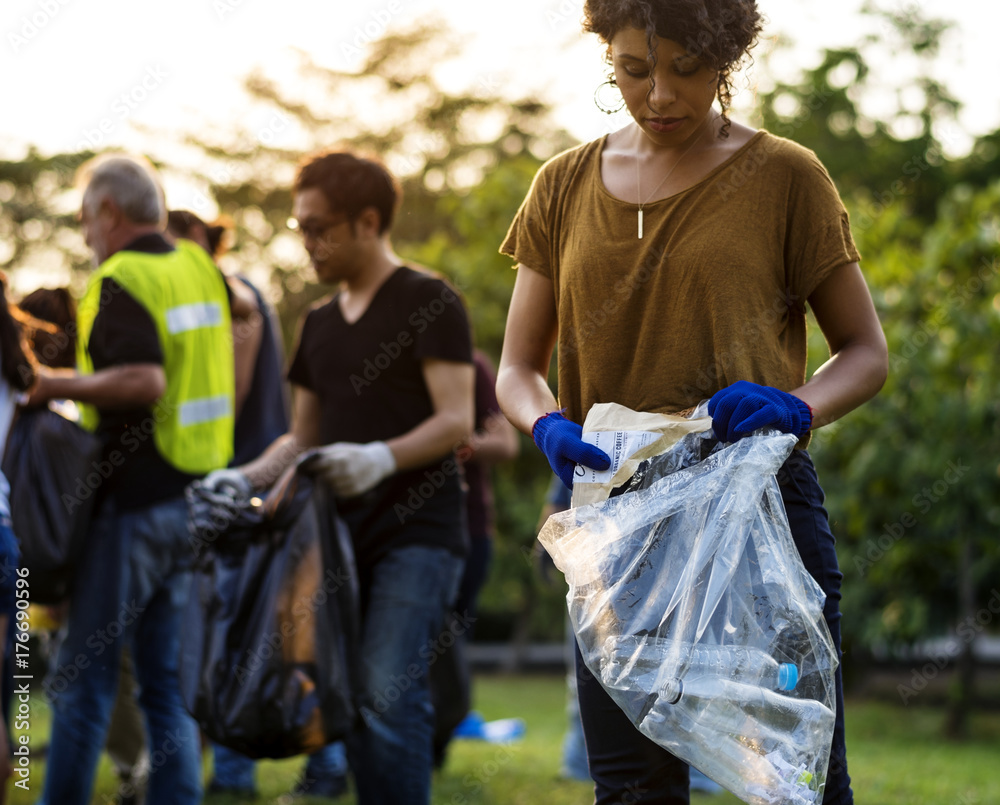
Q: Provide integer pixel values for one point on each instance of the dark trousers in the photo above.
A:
(628, 767)
(451, 677)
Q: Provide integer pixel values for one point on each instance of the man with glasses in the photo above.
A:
(382, 377)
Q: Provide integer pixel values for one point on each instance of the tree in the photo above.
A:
(38, 229)
(465, 160)
(912, 476)
(917, 488)
(874, 166)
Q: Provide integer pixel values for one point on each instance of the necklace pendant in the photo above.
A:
(640, 223)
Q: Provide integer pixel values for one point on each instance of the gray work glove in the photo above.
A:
(352, 469)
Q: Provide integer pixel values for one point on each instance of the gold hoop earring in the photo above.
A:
(602, 102)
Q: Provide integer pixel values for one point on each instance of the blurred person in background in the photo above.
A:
(155, 379)
(251, 322)
(53, 347)
(573, 765)
(495, 440)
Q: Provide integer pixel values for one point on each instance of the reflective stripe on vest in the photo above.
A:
(195, 412)
(192, 317)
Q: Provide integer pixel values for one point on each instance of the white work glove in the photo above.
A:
(353, 469)
(232, 483)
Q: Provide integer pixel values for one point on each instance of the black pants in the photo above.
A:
(628, 767)
(451, 678)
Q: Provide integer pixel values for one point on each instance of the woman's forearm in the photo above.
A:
(524, 395)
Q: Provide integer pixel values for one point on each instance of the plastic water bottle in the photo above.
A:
(746, 710)
(752, 736)
(643, 659)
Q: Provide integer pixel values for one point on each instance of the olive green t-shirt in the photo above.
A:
(714, 292)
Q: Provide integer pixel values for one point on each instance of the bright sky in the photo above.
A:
(79, 72)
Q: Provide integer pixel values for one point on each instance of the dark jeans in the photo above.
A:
(451, 677)
(626, 765)
(130, 588)
(404, 598)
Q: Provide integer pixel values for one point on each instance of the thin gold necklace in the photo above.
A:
(638, 186)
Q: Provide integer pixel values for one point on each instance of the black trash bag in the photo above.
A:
(53, 466)
(271, 630)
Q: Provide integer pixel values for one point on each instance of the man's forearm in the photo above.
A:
(264, 470)
(436, 436)
(115, 388)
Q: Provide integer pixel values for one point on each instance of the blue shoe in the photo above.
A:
(503, 731)
(470, 727)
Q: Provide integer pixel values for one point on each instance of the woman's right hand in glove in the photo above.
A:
(562, 443)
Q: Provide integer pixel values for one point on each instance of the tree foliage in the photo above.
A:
(911, 477)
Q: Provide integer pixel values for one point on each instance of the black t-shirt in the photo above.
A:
(132, 470)
(369, 379)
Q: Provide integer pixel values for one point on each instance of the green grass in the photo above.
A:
(896, 754)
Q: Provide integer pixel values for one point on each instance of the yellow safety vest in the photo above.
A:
(185, 295)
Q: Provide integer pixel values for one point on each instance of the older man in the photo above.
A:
(155, 375)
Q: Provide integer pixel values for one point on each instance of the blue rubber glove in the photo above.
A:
(562, 442)
(744, 407)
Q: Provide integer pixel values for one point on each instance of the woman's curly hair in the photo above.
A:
(719, 33)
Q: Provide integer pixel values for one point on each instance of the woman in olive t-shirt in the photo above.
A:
(672, 261)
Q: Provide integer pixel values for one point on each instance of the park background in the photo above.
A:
(464, 102)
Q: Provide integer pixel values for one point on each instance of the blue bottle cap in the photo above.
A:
(788, 676)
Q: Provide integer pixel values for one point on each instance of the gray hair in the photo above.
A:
(130, 182)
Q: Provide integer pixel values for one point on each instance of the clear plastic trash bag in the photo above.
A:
(694, 611)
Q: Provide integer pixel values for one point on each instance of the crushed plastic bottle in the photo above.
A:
(754, 724)
(659, 657)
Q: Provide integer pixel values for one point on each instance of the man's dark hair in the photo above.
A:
(180, 223)
(351, 184)
(719, 33)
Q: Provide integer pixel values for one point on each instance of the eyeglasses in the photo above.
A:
(315, 230)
